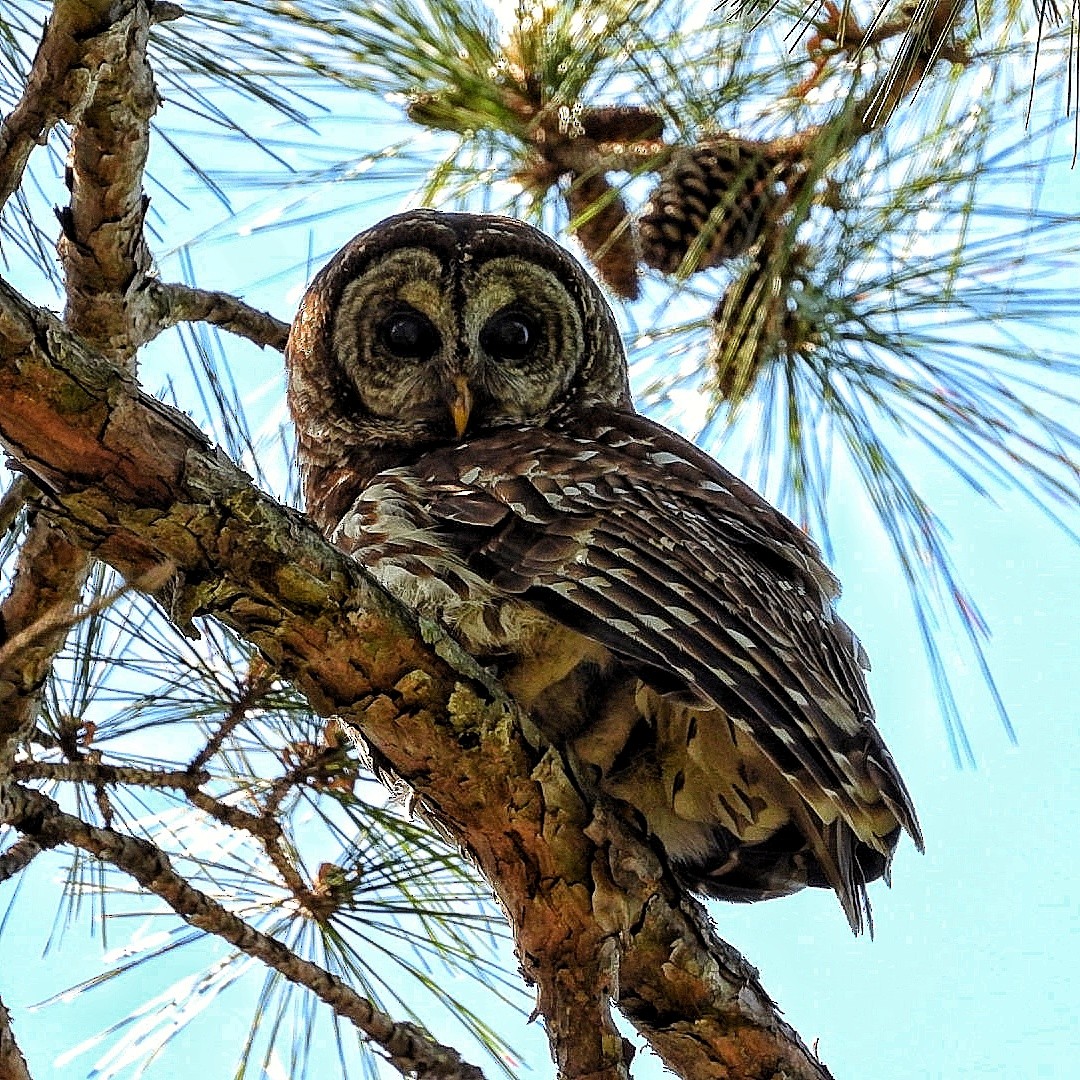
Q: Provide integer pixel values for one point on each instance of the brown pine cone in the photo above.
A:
(608, 235)
(713, 201)
(621, 124)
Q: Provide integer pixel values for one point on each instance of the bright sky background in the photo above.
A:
(972, 971)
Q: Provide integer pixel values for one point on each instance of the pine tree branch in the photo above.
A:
(12, 1064)
(102, 249)
(135, 482)
(91, 69)
(34, 620)
(698, 1002)
(89, 771)
(166, 304)
(52, 620)
(408, 1047)
(16, 859)
(49, 573)
(264, 826)
(255, 686)
(925, 42)
(13, 500)
(54, 86)
(268, 831)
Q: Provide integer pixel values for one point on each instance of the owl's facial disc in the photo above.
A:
(449, 348)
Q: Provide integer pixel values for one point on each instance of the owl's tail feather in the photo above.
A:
(835, 847)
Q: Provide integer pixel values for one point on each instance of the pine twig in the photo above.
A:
(52, 622)
(264, 827)
(924, 43)
(166, 304)
(408, 1047)
(259, 681)
(88, 771)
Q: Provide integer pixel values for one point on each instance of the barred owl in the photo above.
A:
(465, 429)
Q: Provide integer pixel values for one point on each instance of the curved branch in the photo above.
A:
(16, 859)
(409, 1048)
(165, 305)
(593, 912)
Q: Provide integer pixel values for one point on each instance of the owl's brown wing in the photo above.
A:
(623, 531)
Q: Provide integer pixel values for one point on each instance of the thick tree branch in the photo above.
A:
(37, 613)
(16, 859)
(92, 70)
(410, 1048)
(102, 248)
(137, 484)
(49, 572)
(14, 500)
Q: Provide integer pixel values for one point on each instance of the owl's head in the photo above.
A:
(430, 328)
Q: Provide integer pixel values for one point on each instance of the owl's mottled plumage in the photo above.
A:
(465, 429)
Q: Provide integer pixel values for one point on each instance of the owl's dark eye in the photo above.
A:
(510, 334)
(409, 335)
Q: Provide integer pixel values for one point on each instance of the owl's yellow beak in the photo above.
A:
(461, 403)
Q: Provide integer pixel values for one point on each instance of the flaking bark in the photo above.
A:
(102, 247)
(90, 70)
